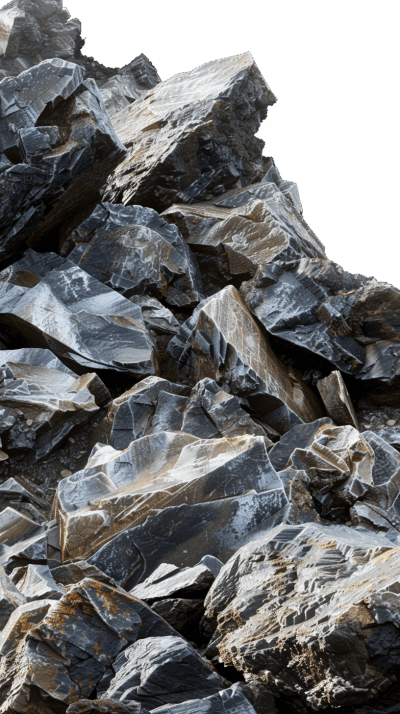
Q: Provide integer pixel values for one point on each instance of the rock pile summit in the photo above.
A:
(199, 411)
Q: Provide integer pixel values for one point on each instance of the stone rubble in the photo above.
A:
(199, 410)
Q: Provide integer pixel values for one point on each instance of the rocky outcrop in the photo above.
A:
(191, 135)
(57, 146)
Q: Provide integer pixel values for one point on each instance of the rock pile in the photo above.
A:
(199, 411)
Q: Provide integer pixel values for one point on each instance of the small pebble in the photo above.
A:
(65, 473)
(71, 440)
(29, 422)
(380, 426)
(391, 422)
(367, 426)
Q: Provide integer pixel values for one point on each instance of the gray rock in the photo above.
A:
(128, 84)
(192, 134)
(21, 539)
(233, 234)
(182, 614)
(19, 624)
(300, 437)
(168, 580)
(67, 652)
(337, 400)
(38, 584)
(222, 341)
(380, 374)
(121, 489)
(73, 573)
(40, 406)
(238, 699)
(104, 706)
(34, 31)
(326, 627)
(155, 405)
(163, 670)
(90, 326)
(60, 146)
(18, 497)
(134, 251)
(10, 598)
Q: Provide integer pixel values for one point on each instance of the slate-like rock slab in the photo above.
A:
(57, 146)
(312, 611)
(134, 251)
(337, 400)
(168, 580)
(240, 698)
(222, 341)
(54, 304)
(192, 134)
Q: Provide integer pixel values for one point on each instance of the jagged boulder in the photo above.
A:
(223, 342)
(134, 251)
(192, 134)
(128, 84)
(119, 490)
(311, 611)
(168, 580)
(57, 147)
(54, 304)
(233, 234)
(154, 405)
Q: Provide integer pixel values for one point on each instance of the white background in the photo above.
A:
(334, 66)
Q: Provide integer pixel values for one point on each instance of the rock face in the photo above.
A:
(223, 342)
(199, 411)
(322, 627)
(90, 326)
(134, 251)
(211, 147)
(57, 147)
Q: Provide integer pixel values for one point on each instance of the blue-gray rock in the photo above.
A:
(240, 698)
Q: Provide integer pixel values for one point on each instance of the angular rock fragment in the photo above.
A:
(192, 134)
(22, 620)
(300, 437)
(223, 342)
(59, 147)
(242, 698)
(380, 374)
(233, 234)
(321, 628)
(105, 706)
(39, 584)
(34, 31)
(162, 670)
(134, 251)
(169, 580)
(182, 614)
(118, 490)
(89, 326)
(128, 84)
(61, 658)
(40, 405)
(10, 598)
(154, 405)
(337, 400)
(24, 501)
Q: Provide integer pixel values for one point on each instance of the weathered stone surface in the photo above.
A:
(223, 342)
(63, 657)
(192, 134)
(162, 670)
(134, 251)
(380, 374)
(105, 706)
(233, 234)
(121, 489)
(182, 614)
(22, 620)
(42, 402)
(59, 146)
(337, 400)
(22, 540)
(312, 611)
(169, 580)
(34, 31)
(89, 326)
(39, 584)
(300, 437)
(18, 497)
(154, 405)
(10, 598)
(238, 699)
(73, 573)
(129, 84)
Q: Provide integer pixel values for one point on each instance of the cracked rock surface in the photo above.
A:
(199, 410)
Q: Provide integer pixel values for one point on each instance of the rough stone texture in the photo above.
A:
(42, 402)
(104, 706)
(162, 670)
(223, 342)
(90, 326)
(169, 580)
(239, 699)
(312, 611)
(32, 31)
(337, 400)
(128, 84)
(59, 661)
(121, 489)
(10, 598)
(192, 134)
(154, 405)
(134, 251)
(18, 497)
(233, 234)
(38, 583)
(57, 146)
(182, 614)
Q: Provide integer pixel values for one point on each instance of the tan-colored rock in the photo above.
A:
(337, 400)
